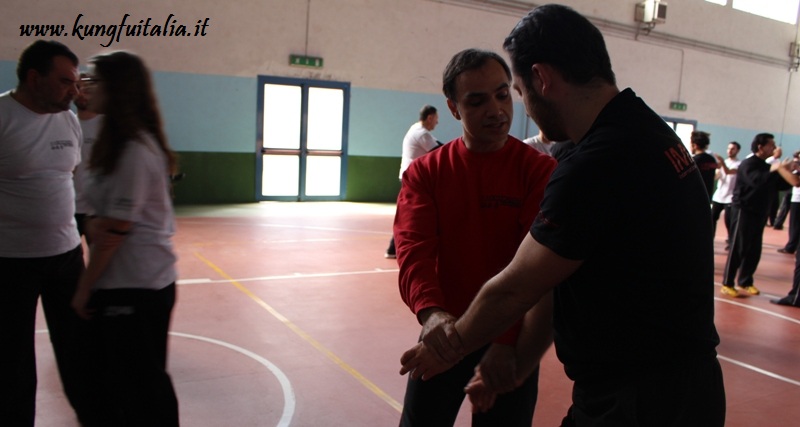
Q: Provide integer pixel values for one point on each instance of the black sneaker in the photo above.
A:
(783, 301)
(390, 255)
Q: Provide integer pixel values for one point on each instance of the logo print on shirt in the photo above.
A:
(680, 159)
(61, 144)
(490, 202)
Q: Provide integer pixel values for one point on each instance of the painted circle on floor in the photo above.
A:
(289, 401)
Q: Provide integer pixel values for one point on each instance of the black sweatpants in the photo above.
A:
(716, 211)
(23, 281)
(132, 327)
(745, 251)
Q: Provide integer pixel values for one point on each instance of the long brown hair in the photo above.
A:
(130, 107)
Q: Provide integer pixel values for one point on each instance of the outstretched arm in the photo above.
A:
(503, 300)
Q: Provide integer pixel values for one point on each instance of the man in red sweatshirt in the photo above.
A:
(461, 214)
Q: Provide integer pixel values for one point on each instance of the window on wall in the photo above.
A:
(779, 10)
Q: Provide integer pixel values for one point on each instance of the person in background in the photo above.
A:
(461, 214)
(794, 215)
(726, 180)
(622, 342)
(90, 126)
(792, 299)
(418, 141)
(554, 149)
(775, 197)
(540, 143)
(755, 184)
(704, 161)
(128, 288)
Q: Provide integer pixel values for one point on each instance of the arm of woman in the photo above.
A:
(106, 234)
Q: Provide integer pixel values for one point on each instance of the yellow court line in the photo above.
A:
(308, 338)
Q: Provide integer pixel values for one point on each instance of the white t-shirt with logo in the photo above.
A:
(38, 153)
(138, 191)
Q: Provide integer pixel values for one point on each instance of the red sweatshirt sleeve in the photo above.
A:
(417, 243)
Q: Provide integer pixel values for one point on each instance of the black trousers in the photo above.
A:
(435, 402)
(793, 298)
(668, 395)
(745, 251)
(716, 211)
(783, 209)
(23, 281)
(794, 228)
(132, 327)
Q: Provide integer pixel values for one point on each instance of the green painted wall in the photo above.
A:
(216, 178)
(372, 179)
(231, 178)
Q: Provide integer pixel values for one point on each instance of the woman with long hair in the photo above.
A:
(128, 288)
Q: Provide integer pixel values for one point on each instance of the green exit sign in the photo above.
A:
(680, 106)
(305, 61)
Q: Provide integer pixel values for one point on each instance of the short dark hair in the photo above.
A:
(759, 140)
(738, 146)
(468, 59)
(426, 111)
(700, 139)
(39, 56)
(557, 35)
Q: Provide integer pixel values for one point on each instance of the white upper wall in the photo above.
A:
(404, 45)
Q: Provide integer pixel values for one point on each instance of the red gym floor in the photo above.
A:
(288, 315)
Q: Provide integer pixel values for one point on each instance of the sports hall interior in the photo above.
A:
(287, 313)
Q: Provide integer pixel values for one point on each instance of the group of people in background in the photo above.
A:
(108, 320)
(745, 191)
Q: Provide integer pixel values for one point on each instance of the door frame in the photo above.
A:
(304, 84)
(674, 122)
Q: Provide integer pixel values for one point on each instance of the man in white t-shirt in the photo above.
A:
(417, 142)
(540, 143)
(726, 181)
(90, 126)
(40, 251)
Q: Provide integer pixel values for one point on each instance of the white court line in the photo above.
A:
(758, 309)
(288, 276)
(302, 227)
(759, 370)
(289, 400)
(751, 367)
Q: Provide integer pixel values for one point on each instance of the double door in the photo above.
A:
(302, 139)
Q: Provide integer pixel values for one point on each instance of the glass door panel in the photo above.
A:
(322, 175)
(282, 114)
(325, 111)
(280, 176)
(684, 131)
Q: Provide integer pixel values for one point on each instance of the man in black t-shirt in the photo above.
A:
(607, 256)
(755, 184)
(705, 162)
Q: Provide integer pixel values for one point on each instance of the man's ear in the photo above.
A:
(542, 78)
(453, 109)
